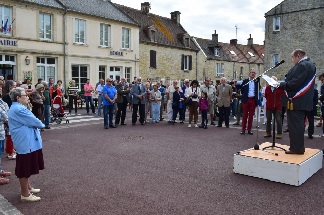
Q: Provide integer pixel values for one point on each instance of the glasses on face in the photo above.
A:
(109, 81)
(23, 95)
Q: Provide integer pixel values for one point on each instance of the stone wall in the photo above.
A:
(302, 24)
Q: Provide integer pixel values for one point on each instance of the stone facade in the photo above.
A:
(301, 26)
(168, 63)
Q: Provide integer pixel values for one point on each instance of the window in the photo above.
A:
(46, 68)
(128, 74)
(187, 42)
(7, 59)
(45, 26)
(186, 62)
(275, 59)
(276, 23)
(102, 72)
(152, 35)
(79, 31)
(115, 73)
(105, 35)
(6, 17)
(251, 54)
(232, 52)
(216, 52)
(153, 59)
(126, 38)
(219, 69)
(241, 73)
(80, 75)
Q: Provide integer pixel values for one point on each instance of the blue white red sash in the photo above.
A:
(303, 90)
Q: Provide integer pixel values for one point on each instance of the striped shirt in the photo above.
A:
(73, 90)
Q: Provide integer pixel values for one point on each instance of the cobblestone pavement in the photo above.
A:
(155, 169)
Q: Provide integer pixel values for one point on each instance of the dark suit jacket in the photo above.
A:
(121, 93)
(296, 78)
(245, 90)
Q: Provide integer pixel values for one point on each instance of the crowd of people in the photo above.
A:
(25, 109)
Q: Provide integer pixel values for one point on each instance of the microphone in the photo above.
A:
(278, 64)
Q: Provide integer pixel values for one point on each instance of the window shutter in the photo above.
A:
(182, 60)
(190, 62)
(153, 59)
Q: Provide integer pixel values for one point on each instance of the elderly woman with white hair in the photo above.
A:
(24, 128)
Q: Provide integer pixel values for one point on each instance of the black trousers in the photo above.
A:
(121, 111)
(71, 100)
(224, 113)
(141, 108)
(296, 130)
(310, 117)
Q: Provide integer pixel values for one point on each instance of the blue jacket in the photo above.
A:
(245, 90)
(24, 128)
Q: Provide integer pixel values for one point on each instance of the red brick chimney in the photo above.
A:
(250, 41)
(233, 42)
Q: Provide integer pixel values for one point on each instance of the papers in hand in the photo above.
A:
(270, 81)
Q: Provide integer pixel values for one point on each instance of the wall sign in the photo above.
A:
(4, 42)
(116, 53)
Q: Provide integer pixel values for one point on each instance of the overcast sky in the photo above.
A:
(202, 18)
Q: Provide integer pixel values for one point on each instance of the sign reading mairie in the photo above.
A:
(4, 42)
(116, 53)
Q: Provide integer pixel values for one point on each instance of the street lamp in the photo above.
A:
(27, 60)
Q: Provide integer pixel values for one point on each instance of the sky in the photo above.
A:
(203, 18)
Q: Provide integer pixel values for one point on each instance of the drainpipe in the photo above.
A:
(64, 47)
(196, 65)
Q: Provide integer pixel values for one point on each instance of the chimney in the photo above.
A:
(175, 16)
(215, 37)
(233, 42)
(250, 41)
(145, 7)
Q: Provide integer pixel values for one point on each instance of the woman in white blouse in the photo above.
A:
(194, 94)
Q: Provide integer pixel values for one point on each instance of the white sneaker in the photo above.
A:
(30, 198)
(34, 190)
(234, 117)
(189, 126)
(12, 157)
(196, 126)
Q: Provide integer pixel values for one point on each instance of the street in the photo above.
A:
(156, 169)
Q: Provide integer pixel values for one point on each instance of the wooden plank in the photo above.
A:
(268, 154)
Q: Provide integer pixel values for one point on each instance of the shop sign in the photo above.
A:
(117, 53)
(4, 42)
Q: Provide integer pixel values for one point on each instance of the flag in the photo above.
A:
(5, 27)
(9, 29)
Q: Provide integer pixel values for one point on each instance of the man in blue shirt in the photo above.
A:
(110, 95)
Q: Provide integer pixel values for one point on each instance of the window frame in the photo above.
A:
(274, 58)
(220, 69)
(44, 27)
(78, 79)
(217, 51)
(4, 18)
(128, 74)
(102, 72)
(124, 38)
(46, 66)
(103, 34)
(79, 32)
(275, 20)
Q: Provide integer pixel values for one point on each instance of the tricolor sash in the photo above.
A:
(301, 92)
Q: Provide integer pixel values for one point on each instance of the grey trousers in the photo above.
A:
(269, 114)
(296, 130)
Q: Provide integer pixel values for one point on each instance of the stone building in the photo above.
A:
(230, 60)
(167, 52)
(67, 39)
(290, 25)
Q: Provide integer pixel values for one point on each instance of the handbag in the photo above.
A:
(188, 101)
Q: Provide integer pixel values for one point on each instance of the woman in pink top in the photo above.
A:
(88, 89)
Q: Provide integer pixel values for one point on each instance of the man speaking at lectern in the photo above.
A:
(298, 98)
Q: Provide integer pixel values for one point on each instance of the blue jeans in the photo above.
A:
(155, 111)
(108, 110)
(100, 100)
(87, 100)
(47, 114)
(1, 151)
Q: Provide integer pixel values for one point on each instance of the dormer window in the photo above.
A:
(185, 39)
(217, 51)
(232, 52)
(187, 42)
(152, 35)
(251, 54)
(150, 31)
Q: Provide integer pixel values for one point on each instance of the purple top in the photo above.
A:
(203, 104)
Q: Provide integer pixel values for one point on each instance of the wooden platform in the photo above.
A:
(287, 169)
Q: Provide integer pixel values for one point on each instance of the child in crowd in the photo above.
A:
(203, 107)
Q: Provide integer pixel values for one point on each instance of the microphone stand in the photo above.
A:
(257, 145)
(274, 126)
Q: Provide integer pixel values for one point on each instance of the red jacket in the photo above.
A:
(59, 92)
(269, 95)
